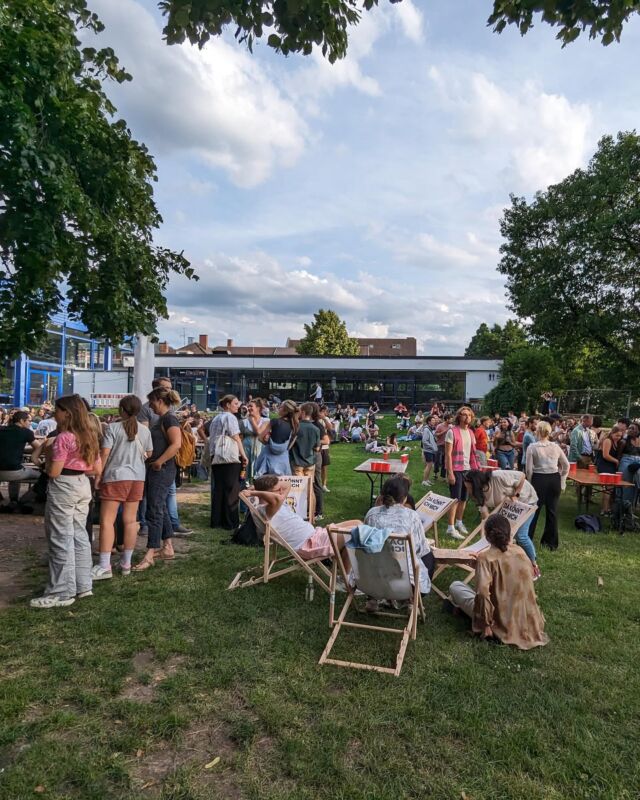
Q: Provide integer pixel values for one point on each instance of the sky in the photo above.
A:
(373, 186)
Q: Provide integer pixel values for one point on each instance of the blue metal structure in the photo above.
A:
(45, 374)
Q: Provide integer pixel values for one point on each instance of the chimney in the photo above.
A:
(204, 341)
(229, 344)
(163, 347)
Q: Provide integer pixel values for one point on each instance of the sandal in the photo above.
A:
(144, 564)
(166, 556)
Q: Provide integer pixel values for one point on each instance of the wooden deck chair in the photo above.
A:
(464, 556)
(279, 558)
(385, 575)
(431, 508)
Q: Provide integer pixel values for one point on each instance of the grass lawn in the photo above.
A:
(136, 692)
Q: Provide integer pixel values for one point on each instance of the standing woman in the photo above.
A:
(125, 447)
(160, 475)
(278, 437)
(504, 444)
(250, 428)
(225, 442)
(547, 469)
(74, 454)
(608, 460)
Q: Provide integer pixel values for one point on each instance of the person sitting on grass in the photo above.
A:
(503, 606)
(358, 433)
(308, 542)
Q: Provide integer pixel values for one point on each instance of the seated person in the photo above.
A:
(13, 440)
(392, 445)
(358, 433)
(300, 535)
(504, 604)
(394, 513)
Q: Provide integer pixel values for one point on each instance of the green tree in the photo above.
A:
(603, 19)
(572, 259)
(296, 26)
(526, 373)
(327, 336)
(76, 201)
(497, 341)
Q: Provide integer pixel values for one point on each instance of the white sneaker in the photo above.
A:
(426, 483)
(326, 489)
(82, 595)
(51, 601)
(98, 573)
(461, 527)
(453, 533)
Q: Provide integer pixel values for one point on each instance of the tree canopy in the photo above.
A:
(527, 371)
(296, 26)
(604, 19)
(77, 213)
(572, 259)
(327, 336)
(497, 341)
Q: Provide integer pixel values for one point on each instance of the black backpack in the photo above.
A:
(246, 534)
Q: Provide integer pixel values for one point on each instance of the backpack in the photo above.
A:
(588, 523)
(187, 452)
(247, 534)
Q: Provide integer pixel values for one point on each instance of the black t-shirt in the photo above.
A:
(158, 437)
(280, 431)
(13, 440)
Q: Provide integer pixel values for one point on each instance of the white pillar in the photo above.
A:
(143, 367)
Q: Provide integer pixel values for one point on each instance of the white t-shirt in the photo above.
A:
(467, 438)
(126, 460)
(318, 395)
(293, 529)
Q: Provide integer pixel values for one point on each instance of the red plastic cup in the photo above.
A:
(573, 466)
(385, 455)
(404, 458)
(592, 468)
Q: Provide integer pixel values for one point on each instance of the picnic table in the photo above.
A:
(592, 480)
(397, 467)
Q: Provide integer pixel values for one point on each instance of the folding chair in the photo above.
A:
(431, 508)
(274, 565)
(386, 575)
(464, 556)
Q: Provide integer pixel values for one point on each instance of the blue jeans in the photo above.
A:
(522, 539)
(506, 460)
(172, 506)
(623, 467)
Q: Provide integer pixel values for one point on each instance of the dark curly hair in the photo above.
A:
(497, 531)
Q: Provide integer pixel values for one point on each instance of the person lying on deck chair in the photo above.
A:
(300, 535)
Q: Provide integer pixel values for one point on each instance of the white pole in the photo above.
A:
(143, 367)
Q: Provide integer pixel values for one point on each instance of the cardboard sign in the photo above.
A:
(431, 508)
(516, 512)
(298, 497)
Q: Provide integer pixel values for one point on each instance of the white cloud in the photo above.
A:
(218, 102)
(542, 137)
(411, 20)
(255, 300)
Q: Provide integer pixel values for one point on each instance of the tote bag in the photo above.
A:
(225, 450)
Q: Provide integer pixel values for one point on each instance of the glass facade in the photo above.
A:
(205, 387)
(46, 372)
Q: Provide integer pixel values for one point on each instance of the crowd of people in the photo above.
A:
(131, 462)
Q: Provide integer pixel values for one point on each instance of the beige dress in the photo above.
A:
(505, 598)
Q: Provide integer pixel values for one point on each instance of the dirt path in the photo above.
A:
(23, 544)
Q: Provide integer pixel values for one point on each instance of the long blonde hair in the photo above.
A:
(78, 423)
